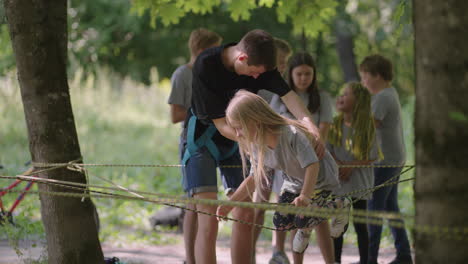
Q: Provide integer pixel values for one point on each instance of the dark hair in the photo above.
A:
(299, 59)
(260, 48)
(377, 65)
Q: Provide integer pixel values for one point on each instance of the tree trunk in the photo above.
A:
(441, 124)
(38, 30)
(345, 49)
(345, 44)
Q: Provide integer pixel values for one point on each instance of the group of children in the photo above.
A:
(286, 140)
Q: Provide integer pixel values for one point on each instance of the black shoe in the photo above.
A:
(402, 260)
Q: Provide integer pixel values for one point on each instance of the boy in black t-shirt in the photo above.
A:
(218, 74)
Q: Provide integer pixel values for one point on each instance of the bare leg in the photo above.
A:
(325, 242)
(259, 215)
(190, 234)
(279, 237)
(298, 258)
(241, 238)
(205, 246)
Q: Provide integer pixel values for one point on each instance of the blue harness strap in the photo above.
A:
(206, 139)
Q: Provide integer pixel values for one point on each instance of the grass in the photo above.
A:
(123, 122)
(118, 122)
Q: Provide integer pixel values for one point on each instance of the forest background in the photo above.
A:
(120, 62)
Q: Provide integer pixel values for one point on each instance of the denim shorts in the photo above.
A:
(199, 174)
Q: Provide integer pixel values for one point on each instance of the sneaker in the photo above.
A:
(279, 257)
(339, 223)
(301, 241)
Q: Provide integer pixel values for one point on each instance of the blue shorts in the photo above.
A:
(199, 173)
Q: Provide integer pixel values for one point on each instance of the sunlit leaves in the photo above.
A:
(266, 3)
(199, 6)
(308, 16)
(240, 9)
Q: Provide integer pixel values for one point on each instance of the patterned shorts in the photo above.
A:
(321, 199)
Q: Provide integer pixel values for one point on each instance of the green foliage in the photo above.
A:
(310, 17)
(119, 122)
(458, 116)
(7, 60)
(306, 16)
(386, 28)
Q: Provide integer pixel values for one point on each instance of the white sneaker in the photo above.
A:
(339, 223)
(279, 257)
(301, 241)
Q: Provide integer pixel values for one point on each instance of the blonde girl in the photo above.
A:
(272, 141)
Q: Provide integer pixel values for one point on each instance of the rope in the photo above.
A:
(177, 199)
(360, 216)
(48, 165)
(458, 233)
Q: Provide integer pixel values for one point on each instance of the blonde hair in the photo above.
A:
(202, 38)
(254, 116)
(283, 46)
(361, 140)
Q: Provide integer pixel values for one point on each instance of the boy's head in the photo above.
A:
(258, 54)
(375, 70)
(201, 39)
(283, 52)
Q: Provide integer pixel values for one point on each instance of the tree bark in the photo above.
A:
(441, 124)
(38, 30)
(345, 43)
(345, 50)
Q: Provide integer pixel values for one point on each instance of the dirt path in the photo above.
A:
(173, 254)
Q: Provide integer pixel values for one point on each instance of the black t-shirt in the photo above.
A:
(213, 86)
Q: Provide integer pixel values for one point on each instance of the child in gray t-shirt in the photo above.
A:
(352, 141)
(276, 142)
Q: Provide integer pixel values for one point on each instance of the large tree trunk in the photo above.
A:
(441, 125)
(38, 30)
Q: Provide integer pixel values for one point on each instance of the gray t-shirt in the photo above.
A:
(360, 178)
(386, 108)
(324, 113)
(181, 82)
(266, 95)
(293, 154)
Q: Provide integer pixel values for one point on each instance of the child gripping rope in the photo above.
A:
(270, 140)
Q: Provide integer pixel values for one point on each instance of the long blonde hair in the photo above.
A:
(360, 142)
(256, 119)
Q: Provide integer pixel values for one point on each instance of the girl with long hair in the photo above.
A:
(272, 141)
(352, 141)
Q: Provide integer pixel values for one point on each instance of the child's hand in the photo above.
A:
(344, 174)
(222, 212)
(301, 201)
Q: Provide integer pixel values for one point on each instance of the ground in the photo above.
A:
(174, 254)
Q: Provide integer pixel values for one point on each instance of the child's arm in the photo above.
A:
(300, 112)
(178, 113)
(225, 129)
(241, 194)
(310, 180)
